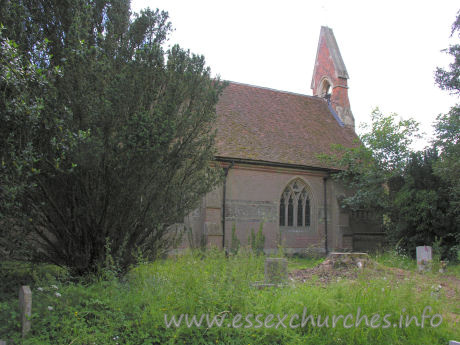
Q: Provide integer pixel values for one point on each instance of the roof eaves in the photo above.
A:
(274, 164)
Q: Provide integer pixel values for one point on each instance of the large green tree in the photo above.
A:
(415, 198)
(420, 212)
(449, 79)
(120, 143)
(447, 134)
(23, 87)
(417, 193)
(447, 126)
(447, 141)
(380, 156)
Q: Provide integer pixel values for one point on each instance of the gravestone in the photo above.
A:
(2, 342)
(424, 258)
(453, 342)
(25, 308)
(275, 270)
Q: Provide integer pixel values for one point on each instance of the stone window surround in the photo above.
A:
(288, 190)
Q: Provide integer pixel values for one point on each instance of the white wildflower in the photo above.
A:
(40, 289)
(50, 307)
(434, 295)
(54, 287)
(436, 287)
(57, 294)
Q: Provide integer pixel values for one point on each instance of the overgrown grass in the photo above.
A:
(393, 258)
(298, 263)
(14, 274)
(131, 311)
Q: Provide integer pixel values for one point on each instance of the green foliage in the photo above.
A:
(420, 212)
(132, 311)
(417, 193)
(447, 167)
(447, 141)
(252, 239)
(396, 257)
(257, 240)
(425, 195)
(303, 262)
(25, 90)
(14, 274)
(381, 155)
(447, 130)
(235, 242)
(450, 79)
(107, 136)
(389, 139)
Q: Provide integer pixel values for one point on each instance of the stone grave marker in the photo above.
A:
(25, 308)
(275, 270)
(424, 258)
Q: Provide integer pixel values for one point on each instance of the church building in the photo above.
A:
(268, 143)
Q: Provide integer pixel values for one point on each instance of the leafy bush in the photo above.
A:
(235, 242)
(396, 257)
(257, 240)
(14, 274)
(119, 141)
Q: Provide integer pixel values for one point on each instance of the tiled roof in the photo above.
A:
(256, 123)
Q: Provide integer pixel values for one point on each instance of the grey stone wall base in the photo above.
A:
(263, 285)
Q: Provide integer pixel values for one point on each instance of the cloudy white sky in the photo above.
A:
(390, 48)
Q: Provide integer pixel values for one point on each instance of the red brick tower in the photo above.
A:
(330, 77)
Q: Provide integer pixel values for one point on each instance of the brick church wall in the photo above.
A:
(253, 196)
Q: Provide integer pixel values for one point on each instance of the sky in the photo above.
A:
(390, 48)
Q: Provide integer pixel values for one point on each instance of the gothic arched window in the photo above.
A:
(295, 206)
